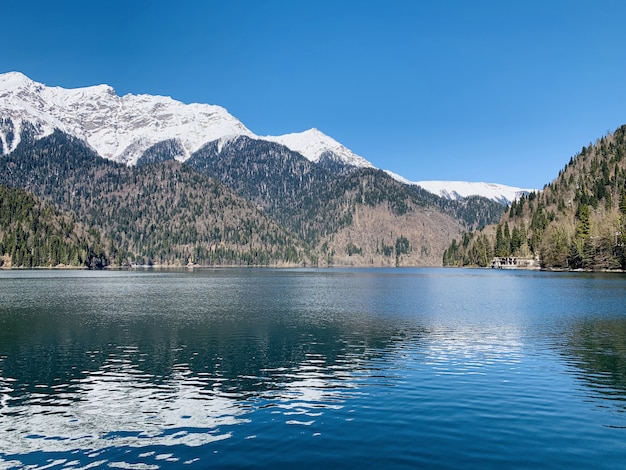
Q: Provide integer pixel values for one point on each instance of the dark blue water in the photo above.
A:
(398, 368)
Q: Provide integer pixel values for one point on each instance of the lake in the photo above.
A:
(319, 368)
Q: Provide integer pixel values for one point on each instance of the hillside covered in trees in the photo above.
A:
(247, 202)
(578, 221)
(32, 233)
(154, 214)
(341, 212)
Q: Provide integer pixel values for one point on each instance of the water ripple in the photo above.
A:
(232, 369)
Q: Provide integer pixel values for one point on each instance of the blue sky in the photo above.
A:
(497, 91)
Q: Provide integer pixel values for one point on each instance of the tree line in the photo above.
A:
(578, 221)
(33, 234)
(248, 202)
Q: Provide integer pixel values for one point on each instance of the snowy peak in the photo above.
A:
(455, 190)
(13, 80)
(314, 145)
(124, 128)
(462, 189)
(118, 128)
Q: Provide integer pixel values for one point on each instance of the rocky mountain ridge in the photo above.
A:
(133, 129)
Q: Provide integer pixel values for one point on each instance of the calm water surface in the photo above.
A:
(397, 368)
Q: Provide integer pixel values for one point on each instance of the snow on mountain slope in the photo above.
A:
(123, 128)
(118, 128)
(313, 144)
(462, 189)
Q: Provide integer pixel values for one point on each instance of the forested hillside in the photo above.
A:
(578, 221)
(238, 201)
(266, 173)
(33, 233)
(155, 214)
(323, 208)
(238, 198)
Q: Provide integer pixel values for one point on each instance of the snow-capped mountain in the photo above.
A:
(461, 189)
(126, 128)
(315, 145)
(123, 128)
(118, 128)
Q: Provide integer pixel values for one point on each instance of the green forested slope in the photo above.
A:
(164, 213)
(33, 233)
(578, 221)
(323, 207)
(271, 206)
(315, 202)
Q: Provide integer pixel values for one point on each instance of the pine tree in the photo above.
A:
(583, 225)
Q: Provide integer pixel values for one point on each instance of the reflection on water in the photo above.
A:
(470, 352)
(279, 368)
(597, 348)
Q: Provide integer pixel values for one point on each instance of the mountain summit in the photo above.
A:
(156, 181)
(123, 128)
(117, 128)
(316, 146)
(143, 128)
(457, 190)
(461, 189)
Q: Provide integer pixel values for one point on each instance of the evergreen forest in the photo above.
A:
(32, 234)
(165, 214)
(245, 202)
(577, 222)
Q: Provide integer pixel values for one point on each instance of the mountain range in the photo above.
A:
(124, 129)
(149, 180)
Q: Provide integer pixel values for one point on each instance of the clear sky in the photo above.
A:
(475, 90)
